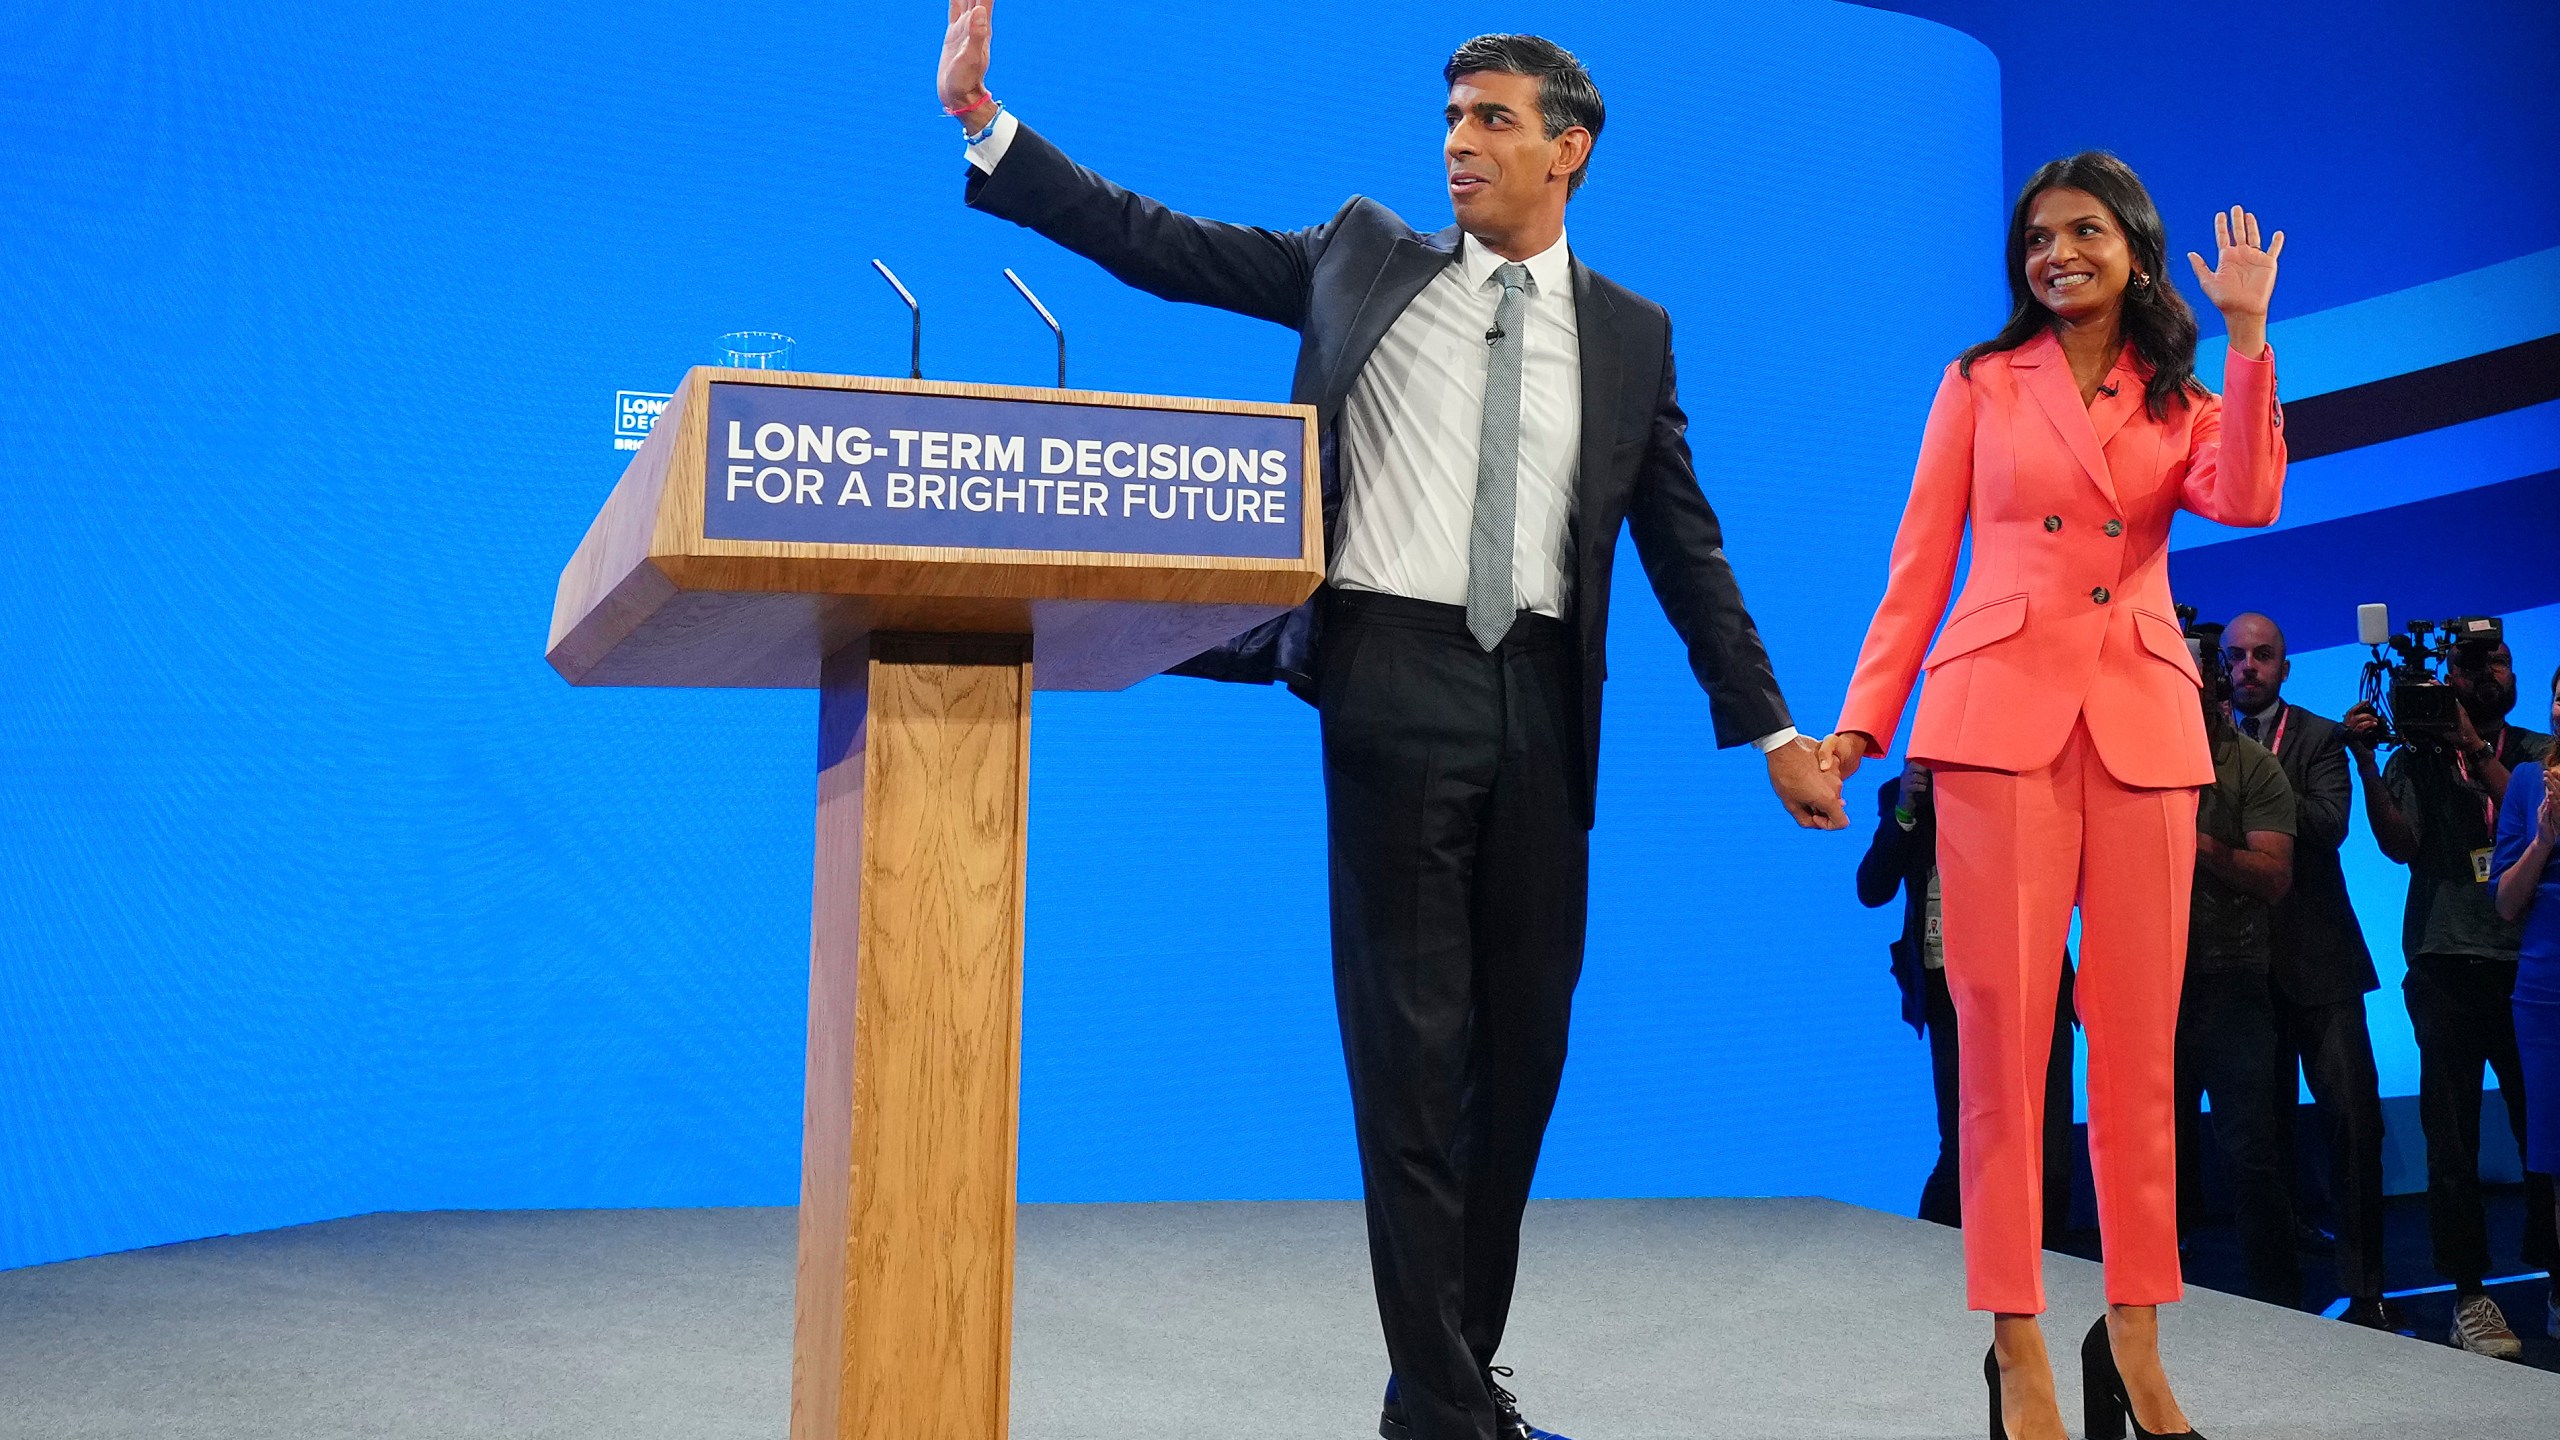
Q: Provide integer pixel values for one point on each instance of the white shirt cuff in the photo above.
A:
(1776, 738)
(987, 152)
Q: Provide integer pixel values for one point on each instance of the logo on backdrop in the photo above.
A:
(859, 467)
(635, 413)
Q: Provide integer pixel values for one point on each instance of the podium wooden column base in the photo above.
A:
(695, 573)
(905, 1310)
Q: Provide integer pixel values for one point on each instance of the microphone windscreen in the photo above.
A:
(2373, 624)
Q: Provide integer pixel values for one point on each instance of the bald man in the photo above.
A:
(2322, 970)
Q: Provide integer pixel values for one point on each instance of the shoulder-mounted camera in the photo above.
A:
(2405, 681)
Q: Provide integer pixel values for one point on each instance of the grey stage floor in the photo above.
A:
(1637, 1320)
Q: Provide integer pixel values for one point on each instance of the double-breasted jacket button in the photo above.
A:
(2114, 528)
(2052, 523)
(2099, 595)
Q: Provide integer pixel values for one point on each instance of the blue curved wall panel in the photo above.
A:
(320, 893)
(323, 895)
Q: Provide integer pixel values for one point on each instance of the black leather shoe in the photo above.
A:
(2377, 1315)
(1391, 1421)
(1507, 1422)
(2105, 1409)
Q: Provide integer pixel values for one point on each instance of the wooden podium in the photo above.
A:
(926, 555)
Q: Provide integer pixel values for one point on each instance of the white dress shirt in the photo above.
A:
(992, 142)
(1413, 422)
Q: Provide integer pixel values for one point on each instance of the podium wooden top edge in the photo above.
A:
(975, 390)
(649, 598)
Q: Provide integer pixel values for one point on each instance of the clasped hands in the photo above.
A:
(1806, 786)
(1843, 752)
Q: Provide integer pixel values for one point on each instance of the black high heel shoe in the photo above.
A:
(2105, 1409)
(1991, 1377)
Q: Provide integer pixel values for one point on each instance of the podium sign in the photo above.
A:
(924, 555)
(865, 467)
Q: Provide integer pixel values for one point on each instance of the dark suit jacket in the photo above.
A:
(2320, 954)
(1899, 859)
(1340, 285)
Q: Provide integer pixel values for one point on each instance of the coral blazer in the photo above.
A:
(2066, 614)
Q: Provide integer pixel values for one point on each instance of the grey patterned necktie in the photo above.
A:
(1491, 603)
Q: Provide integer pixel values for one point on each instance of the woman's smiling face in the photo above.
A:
(2077, 260)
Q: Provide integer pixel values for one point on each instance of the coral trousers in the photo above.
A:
(2015, 851)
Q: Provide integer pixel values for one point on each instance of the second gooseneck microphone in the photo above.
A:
(1046, 318)
(915, 312)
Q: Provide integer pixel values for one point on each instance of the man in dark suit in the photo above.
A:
(2322, 970)
(1492, 412)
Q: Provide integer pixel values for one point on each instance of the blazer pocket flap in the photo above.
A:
(1972, 629)
(2163, 638)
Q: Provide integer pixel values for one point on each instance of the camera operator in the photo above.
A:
(2435, 811)
(1903, 858)
(2226, 1017)
(2322, 970)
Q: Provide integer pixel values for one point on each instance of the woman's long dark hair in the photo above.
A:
(2157, 322)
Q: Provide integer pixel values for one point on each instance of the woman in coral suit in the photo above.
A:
(2062, 721)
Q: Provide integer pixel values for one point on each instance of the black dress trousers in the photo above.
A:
(1460, 875)
(2226, 1049)
(2462, 1009)
(2331, 1044)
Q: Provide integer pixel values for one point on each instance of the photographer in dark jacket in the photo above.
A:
(2322, 970)
(2435, 811)
(1903, 858)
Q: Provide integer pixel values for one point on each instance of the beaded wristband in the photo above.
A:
(979, 136)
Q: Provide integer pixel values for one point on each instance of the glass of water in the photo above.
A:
(755, 350)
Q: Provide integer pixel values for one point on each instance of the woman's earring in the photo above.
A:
(2141, 281)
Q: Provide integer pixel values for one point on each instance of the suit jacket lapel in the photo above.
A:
(1596, 327)
(2047, 376)
(1409, 266)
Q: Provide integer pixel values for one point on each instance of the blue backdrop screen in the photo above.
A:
(322, 894)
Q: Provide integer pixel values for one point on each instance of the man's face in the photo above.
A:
(1503, 170)
(2487, 689)
(2258, 665)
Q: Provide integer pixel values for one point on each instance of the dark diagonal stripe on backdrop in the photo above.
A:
(2490, 383)
(2493, 550)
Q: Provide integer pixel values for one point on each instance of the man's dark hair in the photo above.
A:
(1566, 96)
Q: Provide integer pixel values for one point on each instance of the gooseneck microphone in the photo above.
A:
(1050, 320)
(915, 336)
